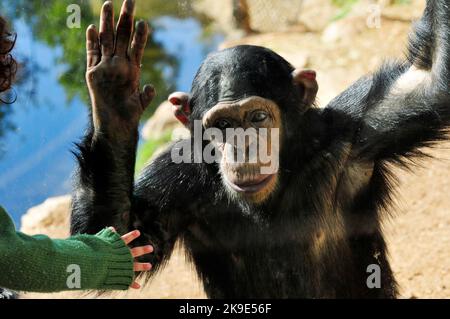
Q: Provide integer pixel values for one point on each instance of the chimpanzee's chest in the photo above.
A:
(282, 251)
(257, 262)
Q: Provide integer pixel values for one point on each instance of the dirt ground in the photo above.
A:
(418, 233)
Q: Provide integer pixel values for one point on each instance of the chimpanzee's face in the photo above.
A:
(246, 134)
(240, 95)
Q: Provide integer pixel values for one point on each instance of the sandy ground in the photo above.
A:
(418, 234)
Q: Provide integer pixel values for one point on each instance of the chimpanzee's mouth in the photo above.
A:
(251, 186)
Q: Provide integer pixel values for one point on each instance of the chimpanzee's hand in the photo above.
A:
(113, 71)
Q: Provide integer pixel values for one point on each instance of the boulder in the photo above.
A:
(270, 16)
(406, 13)
(50, 217)
(345, 28)
(315, 15)
(160, 123)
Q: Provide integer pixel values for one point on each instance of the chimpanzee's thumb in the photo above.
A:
(147, 95)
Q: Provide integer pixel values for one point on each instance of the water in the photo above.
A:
(36, 161)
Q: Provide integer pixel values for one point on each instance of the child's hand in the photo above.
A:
(137, 252)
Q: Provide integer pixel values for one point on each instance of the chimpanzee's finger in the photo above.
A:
(147, 95)
(124, 28)
(107, 29)
(128, 238)
(139, 42)
(92, 46)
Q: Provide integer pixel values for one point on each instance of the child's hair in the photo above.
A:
(8, 66)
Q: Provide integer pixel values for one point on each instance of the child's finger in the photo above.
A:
(135, 285)
(128, 238)
(143, 250)
(142, 266)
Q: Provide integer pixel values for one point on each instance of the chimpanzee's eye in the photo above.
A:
(223, 124)
(259, 116)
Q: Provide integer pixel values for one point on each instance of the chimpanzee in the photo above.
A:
(311, 228)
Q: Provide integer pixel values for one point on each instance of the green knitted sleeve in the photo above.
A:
(83, 262)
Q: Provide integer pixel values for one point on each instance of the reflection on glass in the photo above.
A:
(51, 111)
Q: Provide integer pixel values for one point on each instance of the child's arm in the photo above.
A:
(40, 264)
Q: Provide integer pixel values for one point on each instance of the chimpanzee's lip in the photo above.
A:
(252, 186)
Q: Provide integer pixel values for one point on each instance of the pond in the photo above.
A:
(51, 111)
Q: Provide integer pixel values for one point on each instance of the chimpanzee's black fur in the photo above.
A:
(320, 230)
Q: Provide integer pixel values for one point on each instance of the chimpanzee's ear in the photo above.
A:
(306, 79)
(181, 106)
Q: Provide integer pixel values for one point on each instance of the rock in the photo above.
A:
(160, 123)
(315, 15)
(270, 16)
(299, 60)
(221, 12)
(311, 15)
(345, 28)
(406, 13)
(178, 133)
(52, 217)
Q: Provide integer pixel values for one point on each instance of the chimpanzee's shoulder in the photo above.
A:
(352, 100)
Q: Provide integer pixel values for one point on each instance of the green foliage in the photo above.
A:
(344, 3)
(147, 150)
(47, 19)
(347, 5)
(48, 24)
(148, 9)
(345, 8)
(402, 2)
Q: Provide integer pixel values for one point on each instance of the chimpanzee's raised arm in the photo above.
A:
(404, 105)
(107, 153)
(105, 193)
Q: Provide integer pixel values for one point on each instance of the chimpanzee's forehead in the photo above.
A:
(248, 71)
(237, 87)
(241, 72)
